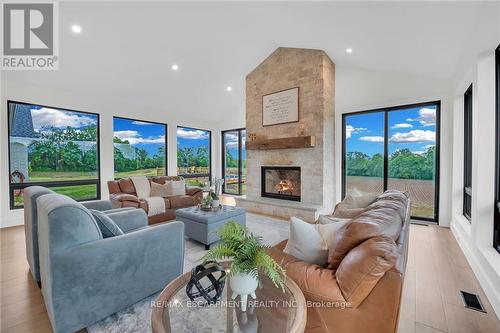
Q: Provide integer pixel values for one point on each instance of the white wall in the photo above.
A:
(107, 108)
(476, 237)
(359, 90)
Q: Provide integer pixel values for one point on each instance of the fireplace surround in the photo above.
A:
(281, 182)
(314, 73)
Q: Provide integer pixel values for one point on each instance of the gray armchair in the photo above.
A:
(30, 195)
(87, 278)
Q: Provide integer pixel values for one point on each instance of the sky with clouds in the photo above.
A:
(412, 128)
(144, 135)
(47, 117)
(194, 138)
(231, 144)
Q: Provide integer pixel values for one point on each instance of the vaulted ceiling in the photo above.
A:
(126, 49)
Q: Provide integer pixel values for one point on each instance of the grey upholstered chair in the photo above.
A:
(31, 223)
(86, 277)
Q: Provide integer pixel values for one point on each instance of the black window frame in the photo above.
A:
(20, 186)
(145, 121)
(386, 112)
(467, 174)
(240, 164)
(496, 223)
(198, 175)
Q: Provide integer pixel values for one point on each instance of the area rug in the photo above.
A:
(137, 318)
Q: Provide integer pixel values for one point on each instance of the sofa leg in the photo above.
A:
(207, 247)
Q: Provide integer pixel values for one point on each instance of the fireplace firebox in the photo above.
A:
(281, 182)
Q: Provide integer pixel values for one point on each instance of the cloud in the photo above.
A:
(230, 137)
(372, 138)
(46, 117)
(143, 123)
(426, 117)
(414, 136)
(133, 137)
(350, 130)
(191, 134)
(402, 125)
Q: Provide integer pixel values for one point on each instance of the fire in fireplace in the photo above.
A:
(280, 182)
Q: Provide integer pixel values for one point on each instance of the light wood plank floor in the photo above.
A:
(436, 271)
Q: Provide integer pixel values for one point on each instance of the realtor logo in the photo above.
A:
(29, 36)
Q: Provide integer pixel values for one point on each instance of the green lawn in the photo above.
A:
(142, 172)
(78, 192)
(47, 176)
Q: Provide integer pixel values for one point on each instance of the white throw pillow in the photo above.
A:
(176, 187)
(309, 242)
(142, 186)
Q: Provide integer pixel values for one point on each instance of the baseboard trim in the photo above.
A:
(6, 223)
(485, 282)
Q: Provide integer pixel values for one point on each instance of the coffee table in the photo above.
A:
(273, 311)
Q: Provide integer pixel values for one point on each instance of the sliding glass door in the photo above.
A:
(234, 160)
(412, 157)
(364, 152)
(395, 148)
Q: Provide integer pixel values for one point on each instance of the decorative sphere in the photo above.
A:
(207, 281)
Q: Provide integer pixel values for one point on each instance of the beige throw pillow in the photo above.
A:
(327, 219)
(358, 199)
(344, 211)
(159, 190)
(176, 187)
(309, 242)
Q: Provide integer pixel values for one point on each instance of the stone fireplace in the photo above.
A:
(293, 160)
(280, 182)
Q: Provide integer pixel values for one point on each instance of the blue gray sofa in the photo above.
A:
(30, 195)
(86, 277)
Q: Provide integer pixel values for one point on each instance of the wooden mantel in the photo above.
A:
(282, 143)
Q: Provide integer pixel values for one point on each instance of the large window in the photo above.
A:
(234, 161)
(140, 148)
(194, 155)
(496, 232)
(467, 192)
(55, 148)
(395, 148)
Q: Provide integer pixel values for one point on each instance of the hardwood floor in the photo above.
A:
(436, 271)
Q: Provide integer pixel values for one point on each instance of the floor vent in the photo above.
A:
(472, 301)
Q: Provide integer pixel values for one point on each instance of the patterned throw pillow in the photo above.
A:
(159, 190)
(108, 227)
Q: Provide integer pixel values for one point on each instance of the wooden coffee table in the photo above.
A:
(273, 310)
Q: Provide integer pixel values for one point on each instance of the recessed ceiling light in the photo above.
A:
(175, 67)
(349, 50)
(229, 88)
(76, 28)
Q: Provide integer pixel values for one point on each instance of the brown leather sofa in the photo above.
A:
(122, 194)
(360, 290)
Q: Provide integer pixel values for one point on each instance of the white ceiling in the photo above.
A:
(126, 49)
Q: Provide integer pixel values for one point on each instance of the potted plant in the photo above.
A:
(217, 182)
(215, 199)
(249, 259)
(206, 202)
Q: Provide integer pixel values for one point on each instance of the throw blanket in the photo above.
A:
(156, 205)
